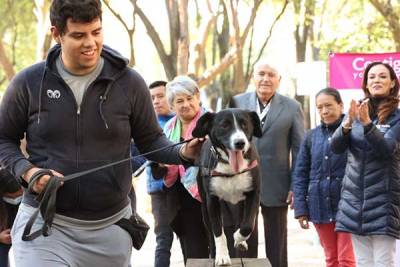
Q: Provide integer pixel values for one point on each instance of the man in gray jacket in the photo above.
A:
(283, 129)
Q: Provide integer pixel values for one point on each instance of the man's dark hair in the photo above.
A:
(157, 84)
(77, 10)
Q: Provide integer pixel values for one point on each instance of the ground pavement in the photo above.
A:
(303, 247)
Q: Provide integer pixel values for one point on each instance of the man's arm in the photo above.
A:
(146, 131)
(297, 133)
(13, 124)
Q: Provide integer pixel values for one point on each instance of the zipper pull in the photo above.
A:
(78, 112)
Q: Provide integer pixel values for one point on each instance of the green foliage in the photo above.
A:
(355, 27)
(17, 33)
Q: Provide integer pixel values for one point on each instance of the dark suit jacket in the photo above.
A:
(282, 135)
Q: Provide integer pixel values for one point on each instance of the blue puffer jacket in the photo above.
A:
(318, 175)
(370, 199)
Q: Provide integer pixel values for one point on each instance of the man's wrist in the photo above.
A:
(182, 156)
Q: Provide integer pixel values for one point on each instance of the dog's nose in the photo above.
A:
(239, 143)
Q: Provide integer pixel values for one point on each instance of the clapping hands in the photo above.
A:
(360, 111)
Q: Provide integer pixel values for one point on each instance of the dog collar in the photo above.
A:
(252, 165)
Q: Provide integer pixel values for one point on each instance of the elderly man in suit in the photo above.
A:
(283, 129)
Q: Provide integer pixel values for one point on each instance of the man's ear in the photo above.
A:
(203, 125)
(55, 33)
(257, 131)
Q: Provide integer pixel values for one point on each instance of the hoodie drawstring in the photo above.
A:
(103, 97)
(40, 93)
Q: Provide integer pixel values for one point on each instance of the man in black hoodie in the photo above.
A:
(79, 110)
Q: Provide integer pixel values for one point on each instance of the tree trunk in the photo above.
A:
(6, 63)
(44, 37)
(392, 18)
(238, 74)
(168, 61)
(302, 34)
(183, 44)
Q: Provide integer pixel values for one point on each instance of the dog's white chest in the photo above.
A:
(231, 189)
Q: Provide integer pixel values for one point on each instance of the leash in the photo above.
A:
(47, 198)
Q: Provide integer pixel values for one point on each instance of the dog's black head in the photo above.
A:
(230, 130)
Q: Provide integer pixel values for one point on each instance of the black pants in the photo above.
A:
(4, 254)
(275, 233)
(189, 227)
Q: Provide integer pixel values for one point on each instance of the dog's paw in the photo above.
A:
(240, 241)
(242, 246)
(221, 251)
(222, 259)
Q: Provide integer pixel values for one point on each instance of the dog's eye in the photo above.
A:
(244, 125)
(225, 125)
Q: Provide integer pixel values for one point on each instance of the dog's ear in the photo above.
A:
(257, 131)
(203, 125)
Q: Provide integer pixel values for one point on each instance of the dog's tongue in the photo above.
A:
(236, 160)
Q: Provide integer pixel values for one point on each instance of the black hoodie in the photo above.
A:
(115, 108)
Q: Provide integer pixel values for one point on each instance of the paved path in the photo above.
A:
(303, 247)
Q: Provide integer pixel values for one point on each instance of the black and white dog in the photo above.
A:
(229, 172)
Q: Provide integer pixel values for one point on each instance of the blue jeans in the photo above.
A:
(164, 233)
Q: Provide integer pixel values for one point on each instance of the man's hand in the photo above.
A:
(192, 149)
(290, 200)
(40, 183)
(5, 237)
(303, 221)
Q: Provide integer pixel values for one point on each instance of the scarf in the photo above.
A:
(188, 177)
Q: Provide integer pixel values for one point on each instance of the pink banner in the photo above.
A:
(346, 69)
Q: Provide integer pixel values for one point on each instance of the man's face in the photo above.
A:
(159, 99)
(266, 80)
(81, 45)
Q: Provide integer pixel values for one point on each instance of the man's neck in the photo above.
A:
(264, 100)
(73, 72)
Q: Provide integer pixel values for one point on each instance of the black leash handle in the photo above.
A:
(47, 206)
(47, 198)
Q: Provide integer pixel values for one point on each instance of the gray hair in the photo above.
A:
(264, 62)
(180, 85)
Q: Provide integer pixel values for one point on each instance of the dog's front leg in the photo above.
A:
(221, 247)
(249, 214)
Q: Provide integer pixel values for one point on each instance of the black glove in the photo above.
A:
(157, 171)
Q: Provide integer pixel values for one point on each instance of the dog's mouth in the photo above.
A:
(236, 160)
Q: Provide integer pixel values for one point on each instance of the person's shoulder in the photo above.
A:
(291, 102)
(242, 97)
(29, 74)
(117, 66)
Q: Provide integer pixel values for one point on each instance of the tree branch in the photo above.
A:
(169, 66)
(130, 31)
(260, 53)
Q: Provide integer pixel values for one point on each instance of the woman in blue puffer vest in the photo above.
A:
(317, 180)
(369, 207)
